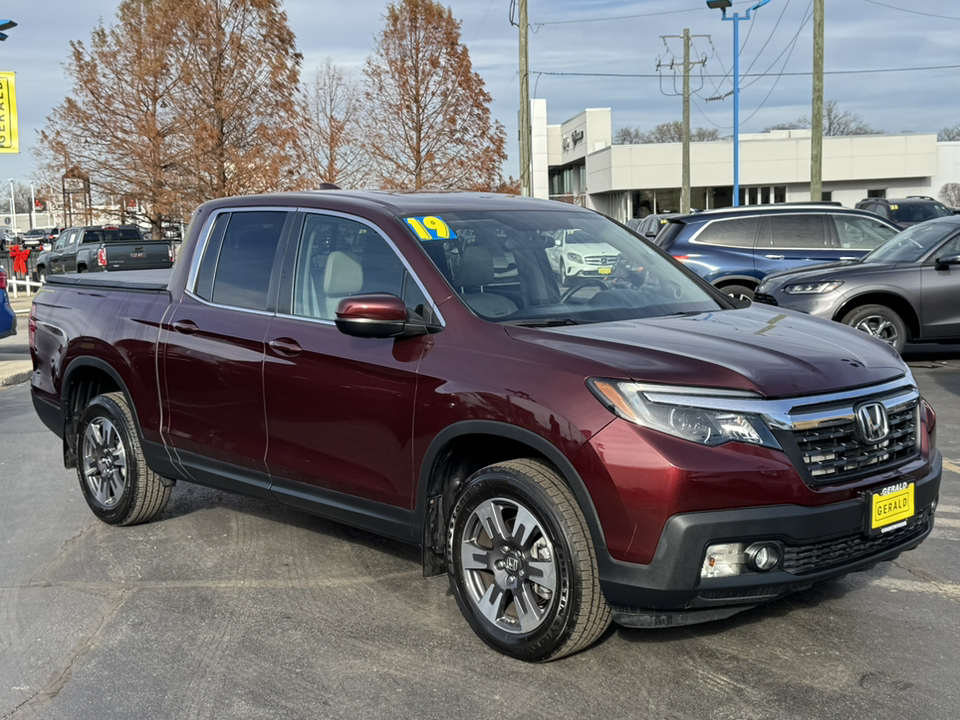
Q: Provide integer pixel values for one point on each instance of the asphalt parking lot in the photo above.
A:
(228, 607)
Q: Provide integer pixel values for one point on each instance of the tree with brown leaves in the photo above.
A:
(333, 137)
(179, 102)
(428, 111)
(121, 125)
(241, 71)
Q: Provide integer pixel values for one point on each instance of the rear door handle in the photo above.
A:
(774, 257)
(848, 257)
(187, 327)
(286, 347)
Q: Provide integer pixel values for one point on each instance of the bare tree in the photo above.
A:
(951, 133)
(241, 73)
(835, 122)
(335, 151)
(668, 132)
(950, 194)
(121, 125)
(428, 112)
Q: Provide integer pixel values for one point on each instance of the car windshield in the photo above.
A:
(506, 265)
(912, 244)
(918, 212)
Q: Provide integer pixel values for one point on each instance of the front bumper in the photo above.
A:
(819, 543)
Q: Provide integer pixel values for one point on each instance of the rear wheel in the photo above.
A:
(881, 322)
(114, 477)
(41, 275)
(522, 564)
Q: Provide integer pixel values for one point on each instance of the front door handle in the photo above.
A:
(849, 257)
(774, 257)
(287, 347)
(187, 327)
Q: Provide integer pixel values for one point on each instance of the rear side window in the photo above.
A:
(860, 233)
(798, 231)
(237, 266)
(735, 232)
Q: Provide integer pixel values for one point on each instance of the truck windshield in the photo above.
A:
(550, 267)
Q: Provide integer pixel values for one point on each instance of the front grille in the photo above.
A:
(832, 453)
(801, 559)
(765, 299)
(601, 260)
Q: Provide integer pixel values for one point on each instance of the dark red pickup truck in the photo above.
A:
(634, 448)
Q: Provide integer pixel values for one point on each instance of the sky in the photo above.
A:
(593, 54)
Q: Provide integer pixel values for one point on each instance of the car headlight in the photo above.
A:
(675, 411)
(573, 257)
(817, 288)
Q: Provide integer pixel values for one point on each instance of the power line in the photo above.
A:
(764, 74)
(914, 12)
(698, 8)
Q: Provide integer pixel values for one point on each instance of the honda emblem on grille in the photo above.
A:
(872, 422)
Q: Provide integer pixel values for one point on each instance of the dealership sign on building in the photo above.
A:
(9, 137)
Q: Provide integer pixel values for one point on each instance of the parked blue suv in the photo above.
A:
(734, 248)
(8, 319)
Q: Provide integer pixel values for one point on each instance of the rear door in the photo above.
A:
(211, 352)
(793, 240)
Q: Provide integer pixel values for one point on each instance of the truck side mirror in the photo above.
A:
(378, 315)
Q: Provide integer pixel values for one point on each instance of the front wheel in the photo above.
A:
(114, 477)
(738, 292)
(522, 564)
(881, 322)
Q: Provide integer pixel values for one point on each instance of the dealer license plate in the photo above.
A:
(604, 271)
(890, 508)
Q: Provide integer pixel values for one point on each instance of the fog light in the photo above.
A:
(723, 560)
(763, 556)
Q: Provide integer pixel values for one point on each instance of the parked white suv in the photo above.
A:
(575, 256)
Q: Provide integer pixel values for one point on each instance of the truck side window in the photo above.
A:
(242, 266)
(339, 257)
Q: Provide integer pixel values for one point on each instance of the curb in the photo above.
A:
(15, 372)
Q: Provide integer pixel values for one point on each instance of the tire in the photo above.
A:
(41, 275)
(114, 477)
(740, 292)
(495, 582)
(881, 322)
(81, 268)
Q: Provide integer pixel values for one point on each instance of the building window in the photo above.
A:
(826, 195)
(878, 193)
(779, 193)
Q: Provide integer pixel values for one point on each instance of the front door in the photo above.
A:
(339, 409)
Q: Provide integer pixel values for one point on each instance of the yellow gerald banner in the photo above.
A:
(9, 137)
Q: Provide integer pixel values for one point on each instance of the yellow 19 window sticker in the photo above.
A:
(430, 227)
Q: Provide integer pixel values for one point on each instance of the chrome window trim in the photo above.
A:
(789, 413)
(201, 249)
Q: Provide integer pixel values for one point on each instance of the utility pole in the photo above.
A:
(816, 113)
(526, 186)
(685, 138)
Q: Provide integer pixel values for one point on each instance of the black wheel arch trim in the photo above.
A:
(426, 489)
(157, 456)
(735, 280)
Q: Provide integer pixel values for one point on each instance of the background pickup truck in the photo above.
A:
(103, 247)
(650, 452)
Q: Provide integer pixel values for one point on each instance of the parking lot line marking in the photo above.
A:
(941, 508)
(946, 522)
(951, 591)
(944, 534)
(951, 466)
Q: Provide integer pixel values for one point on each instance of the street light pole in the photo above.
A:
(33, 206)
(13, 209)
(722, 6)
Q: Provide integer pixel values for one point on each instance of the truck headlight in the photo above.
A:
(639, 404)
(817, 288)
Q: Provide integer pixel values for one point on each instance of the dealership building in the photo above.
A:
(577, 162)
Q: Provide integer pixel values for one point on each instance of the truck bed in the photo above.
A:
(130, 280)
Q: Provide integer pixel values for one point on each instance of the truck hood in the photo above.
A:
(772, 351)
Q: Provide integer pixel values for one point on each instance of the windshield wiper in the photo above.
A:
(547, 322)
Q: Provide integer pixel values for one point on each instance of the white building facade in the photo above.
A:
(577, 162)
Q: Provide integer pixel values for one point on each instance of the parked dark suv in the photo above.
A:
(906, 211)
(734, 248)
